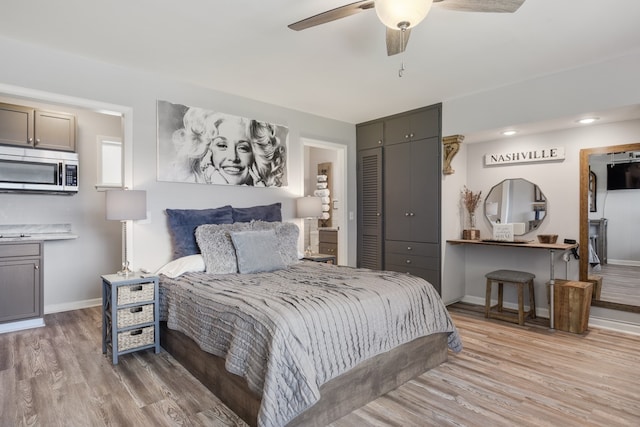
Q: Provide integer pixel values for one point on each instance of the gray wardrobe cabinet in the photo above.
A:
(399, 193)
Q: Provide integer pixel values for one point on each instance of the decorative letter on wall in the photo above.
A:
(208, 147)
(451, 147)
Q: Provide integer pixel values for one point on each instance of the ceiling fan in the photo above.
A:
(400, 16)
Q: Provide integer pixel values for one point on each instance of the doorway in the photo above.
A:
(317, 155)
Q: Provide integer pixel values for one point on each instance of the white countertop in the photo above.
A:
(35, 232)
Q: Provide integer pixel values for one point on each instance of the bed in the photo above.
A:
(290, 342)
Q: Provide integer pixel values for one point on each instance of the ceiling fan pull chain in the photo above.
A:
(401, 70)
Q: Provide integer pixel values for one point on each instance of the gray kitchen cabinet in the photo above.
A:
(29, 127)
(20, 281)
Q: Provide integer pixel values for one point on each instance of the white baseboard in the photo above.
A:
(21, 325)
(75, 305)
(627, 262)
(598, 322)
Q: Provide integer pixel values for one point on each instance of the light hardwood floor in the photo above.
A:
(620, 283)
(507, 375)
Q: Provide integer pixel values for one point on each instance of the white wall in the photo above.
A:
(81, 78)
(595, 87)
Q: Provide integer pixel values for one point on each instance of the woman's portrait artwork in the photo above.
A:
(208, 147)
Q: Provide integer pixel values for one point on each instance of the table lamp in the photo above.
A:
(309, 207)
(123, 206)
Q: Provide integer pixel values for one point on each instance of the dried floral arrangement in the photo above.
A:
(470, 199)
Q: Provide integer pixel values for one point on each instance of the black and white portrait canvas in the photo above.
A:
(205, 146)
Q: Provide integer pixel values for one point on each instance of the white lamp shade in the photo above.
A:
(394, 12)
(125, 205)
(309, 207)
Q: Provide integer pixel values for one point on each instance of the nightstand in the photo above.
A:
(329, 259)
(130, 313)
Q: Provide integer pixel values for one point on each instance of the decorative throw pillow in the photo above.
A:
(217, 248)
(287, 238)
(183, 223)
(257, 251)
(269, 213)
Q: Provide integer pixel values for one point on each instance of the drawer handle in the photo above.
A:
(135, 288)
(136, 332)
(408, 261)
(135, 310)
(409, 248)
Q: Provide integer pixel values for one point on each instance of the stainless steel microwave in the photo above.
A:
(29, 170)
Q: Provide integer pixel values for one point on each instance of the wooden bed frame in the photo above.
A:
(339, 396)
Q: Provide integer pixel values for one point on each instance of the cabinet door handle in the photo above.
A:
(408, 261)
(406, 136)
(411, 214)
(30, 140)
(377, 213)
(406, 214)
(37, 140)
(37, 267)
(379, 141)
(409, 248)
(411, 135)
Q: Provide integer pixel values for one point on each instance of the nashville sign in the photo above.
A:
(525, 156)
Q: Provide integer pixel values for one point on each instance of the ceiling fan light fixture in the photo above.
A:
(402, 14)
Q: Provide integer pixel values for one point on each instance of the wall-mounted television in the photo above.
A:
(623, 176)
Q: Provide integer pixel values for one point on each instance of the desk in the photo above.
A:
(551, 247)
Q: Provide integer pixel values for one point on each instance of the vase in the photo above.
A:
(471, 233)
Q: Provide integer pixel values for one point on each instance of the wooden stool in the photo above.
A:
(518, 278)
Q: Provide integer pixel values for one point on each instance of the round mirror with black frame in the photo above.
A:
(616, 281)
(516, 201)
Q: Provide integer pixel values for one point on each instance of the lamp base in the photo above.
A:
(126, 271)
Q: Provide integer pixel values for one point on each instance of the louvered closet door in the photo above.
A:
(370, 208)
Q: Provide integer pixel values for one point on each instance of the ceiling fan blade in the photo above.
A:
(495, 6)
(396, 41)
(332, 15)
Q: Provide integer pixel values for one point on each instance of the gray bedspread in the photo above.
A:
(289, 331)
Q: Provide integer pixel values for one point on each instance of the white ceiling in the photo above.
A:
(339, 70)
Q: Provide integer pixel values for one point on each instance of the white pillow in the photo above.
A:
(189, 263)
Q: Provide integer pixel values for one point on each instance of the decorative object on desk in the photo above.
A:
(125, 205)
(503, 232)
(308, 208)
(451, 147)
(471, 201)
(547, 238)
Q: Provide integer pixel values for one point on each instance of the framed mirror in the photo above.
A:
(516, 201)
(609, 236)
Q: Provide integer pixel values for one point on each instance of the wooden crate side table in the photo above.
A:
(572, 303)
(130, 314)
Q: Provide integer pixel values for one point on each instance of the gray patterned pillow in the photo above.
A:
(257, 251)
(287, 238)
(217, 248)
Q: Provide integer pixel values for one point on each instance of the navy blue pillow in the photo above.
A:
(269, 213)
(183, 224)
